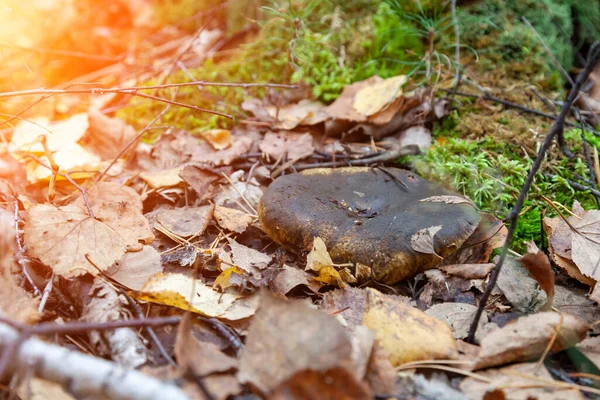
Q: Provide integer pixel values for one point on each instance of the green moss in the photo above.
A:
(492, 175)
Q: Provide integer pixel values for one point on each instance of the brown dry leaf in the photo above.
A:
(61, 237)
(288, 338)
(527, 337)
(585, 244)
(202, 179)
(517, 382)
(342, 108)
(163, 178)
(373, 98)
(422, 241)
(15, 303)
(538, 265)
(231, 219)
(333, 384)
(175, 290)
(186, 222)
(294, 146)
(381, 374)
(199, 357)
(559, 242)
(468, 271)
(108, 136)
(405, 332)
(459, 316)
(289, 278)
(219, 139)
(205, 154)
(306, 112)
(135, 268)
(519, 288)
(448, 200)
(249, 260)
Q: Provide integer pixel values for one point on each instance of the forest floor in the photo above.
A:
(300, 199)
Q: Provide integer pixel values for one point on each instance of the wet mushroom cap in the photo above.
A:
(365, 215)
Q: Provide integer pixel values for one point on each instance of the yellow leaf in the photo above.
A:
(372, 99)
(162, 179)
(219, 139)
(72, 157)
(177, 289)
(405, 332)
(318, 257)
(329, 275)
(222, 281)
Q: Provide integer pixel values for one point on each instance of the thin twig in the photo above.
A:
(457, 42)
(558, 126)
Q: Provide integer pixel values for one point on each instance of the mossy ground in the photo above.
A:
(482, 149)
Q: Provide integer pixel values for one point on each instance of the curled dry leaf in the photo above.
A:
(320, 261)
(448, 200)
(422, 241)
(538, 265)
(177, 289)
(231, 219)
(289, 278)
(290, 338)
(219, 139)
(527, 337)
(517, 382)
(468, 271)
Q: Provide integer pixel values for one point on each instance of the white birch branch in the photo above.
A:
(84, 375)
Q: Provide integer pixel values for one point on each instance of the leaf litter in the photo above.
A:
(311, 327)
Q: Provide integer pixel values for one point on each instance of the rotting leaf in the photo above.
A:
(422, 241)
(175, 290)
(527, 338)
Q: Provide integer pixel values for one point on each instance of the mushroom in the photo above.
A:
(385, 218)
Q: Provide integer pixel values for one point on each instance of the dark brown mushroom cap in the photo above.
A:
(365, 216)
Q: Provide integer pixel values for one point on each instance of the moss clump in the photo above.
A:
(492, 175)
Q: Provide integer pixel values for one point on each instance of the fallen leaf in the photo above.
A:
(202, 179)
(219, 139)
(288, 338)
(406, 333)
(519, 287)
(177, 289)
(577, 302)
(239, 193)
(422, 241)
(527, 338)
(468, 271)
(205, 154)
(163, 178)
(250, 260)
(39, 389)
(538, 265)
(73, 159)
(108, 136)
(320, 261)
(373, 98)
(231, 219)
(381, 374)
(135, 268)
(200, 358)
(517, 382)
(448, 200)
(585, 244)
(286, 144)
(559, 244)
(335, 383)
(288, 278)
(342, 108)
(306, 112)
(186, 222)
(459, 316)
